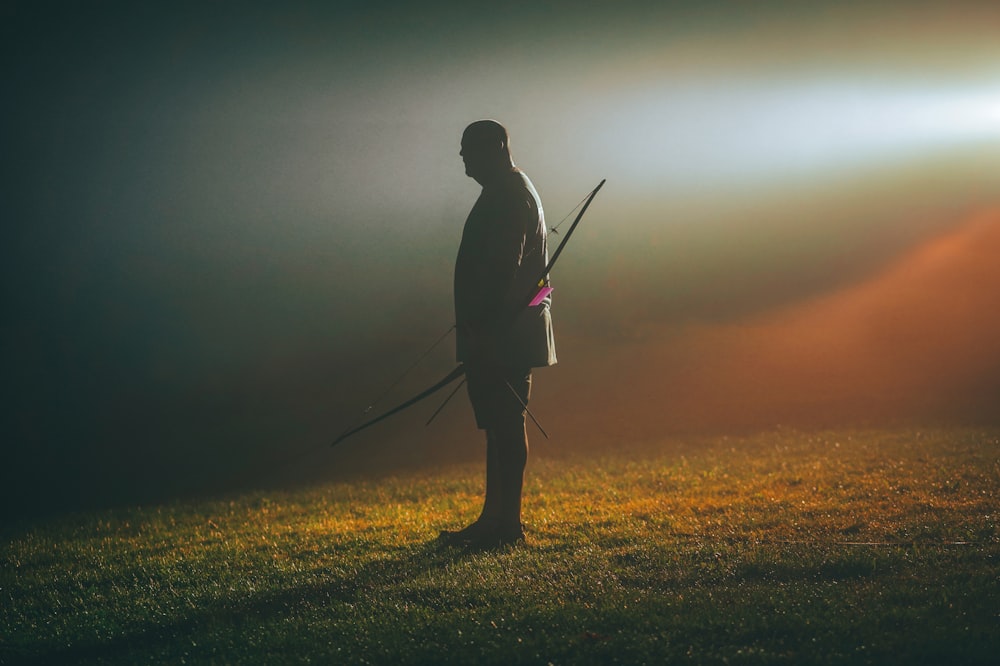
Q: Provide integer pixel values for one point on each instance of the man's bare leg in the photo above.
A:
(512, 444)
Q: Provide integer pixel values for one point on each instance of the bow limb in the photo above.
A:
(448, 379)
(572, 228)
(555, 255)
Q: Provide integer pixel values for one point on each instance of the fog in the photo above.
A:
(230, 230)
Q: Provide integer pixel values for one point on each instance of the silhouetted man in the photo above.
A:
(503, 251)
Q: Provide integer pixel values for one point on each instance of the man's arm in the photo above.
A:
(504, 249)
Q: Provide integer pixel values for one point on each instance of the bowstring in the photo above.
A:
(298, 456)
(555, 229)
(406, 372)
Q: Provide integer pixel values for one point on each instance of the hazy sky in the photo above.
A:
(227, 228)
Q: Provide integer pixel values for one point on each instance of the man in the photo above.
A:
(499, 338)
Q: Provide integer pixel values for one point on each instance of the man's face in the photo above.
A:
(477, 154)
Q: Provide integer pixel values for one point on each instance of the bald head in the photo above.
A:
(485, 150)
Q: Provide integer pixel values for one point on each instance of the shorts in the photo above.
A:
(493, 396)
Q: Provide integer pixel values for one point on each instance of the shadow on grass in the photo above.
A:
(405, 564)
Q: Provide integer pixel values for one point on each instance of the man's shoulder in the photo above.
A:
(517, 189)
(519, 180)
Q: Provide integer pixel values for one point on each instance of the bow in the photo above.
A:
(448, 379)
(460, 369)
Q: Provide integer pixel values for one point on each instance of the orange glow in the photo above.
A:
(920, 341)
(923, 337)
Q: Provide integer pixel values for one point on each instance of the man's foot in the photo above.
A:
(483, 535)
(512, 535)
(480, 534)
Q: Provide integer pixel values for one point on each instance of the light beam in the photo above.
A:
(700, 133)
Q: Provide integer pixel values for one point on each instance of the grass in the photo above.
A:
(785, 547)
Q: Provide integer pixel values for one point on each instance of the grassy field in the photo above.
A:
(785, 547)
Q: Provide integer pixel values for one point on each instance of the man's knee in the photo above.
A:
(509, 427)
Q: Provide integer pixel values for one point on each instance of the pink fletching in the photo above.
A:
(540, 296)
